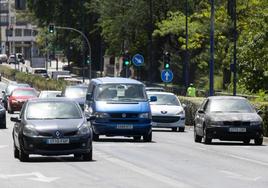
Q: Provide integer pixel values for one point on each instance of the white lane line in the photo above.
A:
(145, 172)
(234, 175)
(3, 146)
(249, 160)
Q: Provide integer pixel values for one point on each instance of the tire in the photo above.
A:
(95, 136)
(181, 129)
(258, 141)
(206, 139)
(16, 152)
(197, 138)
(147, 137)
(88, 156)
(23, 156)
(174, 129)
(137, 138)
(246, 141)
(3, 126)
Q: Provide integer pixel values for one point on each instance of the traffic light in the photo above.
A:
(126, 59)
(166, 60)
(88, 59)
(51, 28)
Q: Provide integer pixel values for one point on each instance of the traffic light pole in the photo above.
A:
(87, 41)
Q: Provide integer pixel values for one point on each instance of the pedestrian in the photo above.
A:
(191, 92)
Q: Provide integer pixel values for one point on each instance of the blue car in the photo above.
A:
(120, 108)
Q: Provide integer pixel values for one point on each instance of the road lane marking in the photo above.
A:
(249, 160)
(3, 146)
(145, 172)
(37, 177)
(234, 175)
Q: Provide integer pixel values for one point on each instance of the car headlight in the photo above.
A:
(102, 115)
(30, 131)
(83, 130)
(145, 115)
(180, 113)
(252, 123)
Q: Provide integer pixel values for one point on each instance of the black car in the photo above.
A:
(227, 118)
(52, 126)
(2, 117)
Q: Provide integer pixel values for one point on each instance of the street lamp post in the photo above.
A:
(211, 65)
(235, 40)
(186, 70)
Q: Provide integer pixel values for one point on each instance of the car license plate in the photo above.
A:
(58, 141)
(124, 126)
(237, 130)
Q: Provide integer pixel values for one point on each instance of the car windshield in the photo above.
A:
(120, 92)
(21, 92)
(230, 105)
(164, 99)
(75, 92)
(53, 110)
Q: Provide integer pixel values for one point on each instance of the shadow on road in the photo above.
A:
(46, 159)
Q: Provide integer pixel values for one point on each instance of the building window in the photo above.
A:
(18, 32)
(3, 19)
(27, 32)
(4, 7)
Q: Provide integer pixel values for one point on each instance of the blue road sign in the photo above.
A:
(138, 60)
(167, 75)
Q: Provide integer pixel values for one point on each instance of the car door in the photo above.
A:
(200, 117)
(18, 127)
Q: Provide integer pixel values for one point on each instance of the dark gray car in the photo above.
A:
(52, 126)
(227, 118)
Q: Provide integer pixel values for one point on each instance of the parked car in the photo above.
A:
(8, 90)
(40, 72)
(2, 117)
(121, 108)
(3, 58)
(167, 111)
(52, 126)
(76, 93)
(12, 59)
(49, 93)
(227, 118)
(18, 97)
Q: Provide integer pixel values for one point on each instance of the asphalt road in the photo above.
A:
(171, 160)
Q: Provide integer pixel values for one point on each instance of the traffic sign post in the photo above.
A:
(167, 75)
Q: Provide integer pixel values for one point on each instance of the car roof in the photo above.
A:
(226, 97)
(159, 92)
(112, 80)
(77, 86)
(154, 88)
(52, 99)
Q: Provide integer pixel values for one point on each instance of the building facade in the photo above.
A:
(16, 36)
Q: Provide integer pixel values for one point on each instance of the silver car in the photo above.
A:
(52, 126)
(167, 111)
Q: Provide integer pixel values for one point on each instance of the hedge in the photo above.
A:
(193, 103)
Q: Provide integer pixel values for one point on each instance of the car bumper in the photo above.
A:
(168, 121)
(16, 106)
(225, 133)
(122, 129)
(76, 145)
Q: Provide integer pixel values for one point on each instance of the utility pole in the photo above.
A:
(186, 62)
(211, 65)
(150, 41)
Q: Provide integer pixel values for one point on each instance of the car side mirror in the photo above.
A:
(183, 105)
(201, 111)
(153, 98)
(259, 112)
(91, 117)
(15, 119)
(89, 97)
(3, 92)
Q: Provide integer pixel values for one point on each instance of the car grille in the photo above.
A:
(124, 115)
(59, 147)
(49, 134)
(165, 119)
(237, 123)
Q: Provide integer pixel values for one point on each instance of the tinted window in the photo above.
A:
(53, 110)
(230, 105)
(165, 99)
(119, 92)
(24, 93)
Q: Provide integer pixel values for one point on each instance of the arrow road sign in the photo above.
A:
(36, 176)
(167, 75)
(138, 60)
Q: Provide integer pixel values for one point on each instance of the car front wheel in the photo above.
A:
(258, 141)
(147, 137)
(197, 138)
(207, 140)
(88, 156)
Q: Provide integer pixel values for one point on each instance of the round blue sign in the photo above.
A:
(167, 75)
(137, 60)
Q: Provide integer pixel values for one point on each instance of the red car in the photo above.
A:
(18, 97)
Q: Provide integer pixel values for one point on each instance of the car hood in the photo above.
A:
(56, 124)
(167, 110)
(123, 106)
(234, 117)
(80, 100)
(23, 97)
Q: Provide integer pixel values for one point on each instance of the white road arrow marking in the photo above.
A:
(166, 75)
(239, 176)
(38, 177)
